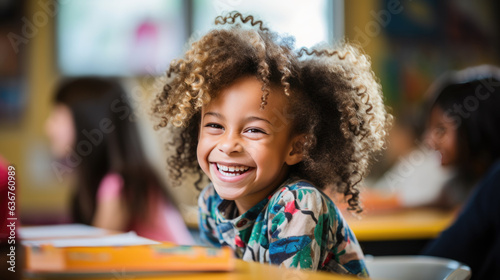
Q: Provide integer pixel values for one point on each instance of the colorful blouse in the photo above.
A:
(296, 226)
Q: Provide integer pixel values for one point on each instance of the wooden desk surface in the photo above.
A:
(400, 225)
(403, 224)
(244, 270)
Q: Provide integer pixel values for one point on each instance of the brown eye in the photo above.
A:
(256, 130)
(214, 125)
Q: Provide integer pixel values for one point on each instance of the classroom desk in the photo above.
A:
(403, 224)
(402, 232)
(243, 271)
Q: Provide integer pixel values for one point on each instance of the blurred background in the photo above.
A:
(411, 43)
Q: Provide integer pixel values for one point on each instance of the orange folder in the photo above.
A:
(164, 257)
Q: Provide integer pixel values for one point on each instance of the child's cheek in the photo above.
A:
(202, 157)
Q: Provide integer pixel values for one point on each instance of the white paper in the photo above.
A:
(124, 239)
(59, 231)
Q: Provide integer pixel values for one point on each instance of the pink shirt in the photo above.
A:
(162, 223)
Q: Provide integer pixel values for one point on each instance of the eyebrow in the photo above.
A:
(217, 115)
(249, 119)
(254, 118)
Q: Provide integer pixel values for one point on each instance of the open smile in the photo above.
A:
(230, 173)
(232, 170)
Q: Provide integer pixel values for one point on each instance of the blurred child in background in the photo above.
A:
(459, 145)
(464, 127)
(91, 132)
(415, 178)
(463, 124)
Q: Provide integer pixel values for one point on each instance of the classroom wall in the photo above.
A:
(40, 195)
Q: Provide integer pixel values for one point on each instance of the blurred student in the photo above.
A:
(90, 129)
(415, 177)
(464, 127)
(431, 174)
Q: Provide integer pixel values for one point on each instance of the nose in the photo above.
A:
(230, 143)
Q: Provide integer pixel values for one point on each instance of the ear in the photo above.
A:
(296, 150)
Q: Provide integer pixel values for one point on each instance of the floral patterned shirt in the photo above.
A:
(296, 226)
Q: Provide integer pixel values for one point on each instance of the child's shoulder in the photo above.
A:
(298, 185)
(301, 192)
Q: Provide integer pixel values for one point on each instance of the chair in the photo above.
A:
(416, 268)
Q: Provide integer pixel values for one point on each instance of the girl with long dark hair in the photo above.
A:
(116, 188)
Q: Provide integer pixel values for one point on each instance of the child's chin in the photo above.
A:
(227, 193)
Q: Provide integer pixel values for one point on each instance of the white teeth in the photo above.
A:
(229, 174)
(223, 168)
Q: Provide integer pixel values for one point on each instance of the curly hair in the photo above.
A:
(333, 95)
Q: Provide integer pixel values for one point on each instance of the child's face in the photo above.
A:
(246, 151)
(60, 129)
(442, 136)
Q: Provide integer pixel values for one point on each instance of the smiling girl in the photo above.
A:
(271, 127)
